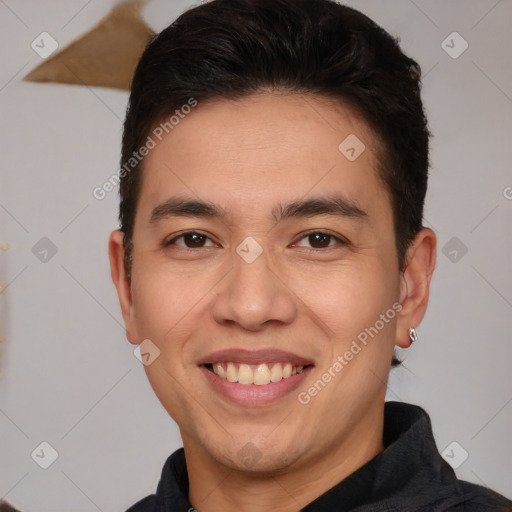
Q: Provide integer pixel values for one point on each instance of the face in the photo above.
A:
(266, 273)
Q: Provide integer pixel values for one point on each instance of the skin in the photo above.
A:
(247, 157)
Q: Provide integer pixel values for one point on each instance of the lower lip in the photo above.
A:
(251, 394)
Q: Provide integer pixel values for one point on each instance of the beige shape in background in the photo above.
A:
(106, 56)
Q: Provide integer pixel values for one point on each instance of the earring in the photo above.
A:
(413, 335)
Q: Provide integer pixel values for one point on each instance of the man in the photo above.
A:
(271, 255)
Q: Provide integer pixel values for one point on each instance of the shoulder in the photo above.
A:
(147, 504)
(475, 498)
(172, 490)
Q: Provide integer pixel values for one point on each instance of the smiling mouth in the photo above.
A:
(260, 374)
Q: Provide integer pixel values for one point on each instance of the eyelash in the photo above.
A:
(172, 241)
(340, 241)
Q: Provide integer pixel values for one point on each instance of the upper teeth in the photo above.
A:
(261, 375)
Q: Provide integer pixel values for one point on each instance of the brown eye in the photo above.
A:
(192, 240)
(319, 240)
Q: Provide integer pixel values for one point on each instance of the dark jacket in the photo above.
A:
(408, 476)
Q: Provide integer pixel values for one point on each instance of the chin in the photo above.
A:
(253, 457)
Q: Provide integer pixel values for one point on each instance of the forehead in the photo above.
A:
(262, 150)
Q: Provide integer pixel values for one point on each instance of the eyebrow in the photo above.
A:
(338, 206)
(185, 208)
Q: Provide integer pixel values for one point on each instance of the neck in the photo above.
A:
(214, 486)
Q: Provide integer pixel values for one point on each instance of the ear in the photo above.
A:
(415, 284)
(122, 283)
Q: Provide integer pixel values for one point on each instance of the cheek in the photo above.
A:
(168, 308)
(348, 298)
(164, 301)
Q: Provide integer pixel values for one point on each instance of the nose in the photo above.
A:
(253, 296)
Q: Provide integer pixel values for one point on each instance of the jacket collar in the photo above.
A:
(395, 479)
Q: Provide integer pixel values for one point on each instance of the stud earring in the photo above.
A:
(413, 335)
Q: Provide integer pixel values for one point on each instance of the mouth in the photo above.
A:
(254, 377)
(260, 374)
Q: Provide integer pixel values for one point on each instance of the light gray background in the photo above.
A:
(70, 378)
